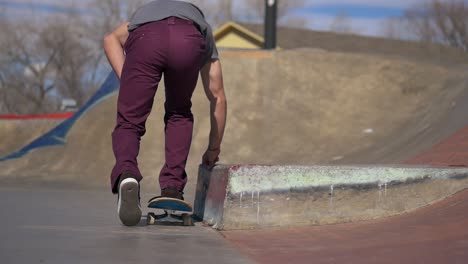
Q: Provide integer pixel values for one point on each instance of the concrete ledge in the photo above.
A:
(245, 197)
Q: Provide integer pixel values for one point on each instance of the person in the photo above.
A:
(170, 38)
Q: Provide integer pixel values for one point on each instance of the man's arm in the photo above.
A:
(212, 78)
(113, 46)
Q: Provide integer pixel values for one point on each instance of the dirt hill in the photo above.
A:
(293, 38)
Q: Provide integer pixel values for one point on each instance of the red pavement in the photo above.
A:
(435, 234)
(452, 151)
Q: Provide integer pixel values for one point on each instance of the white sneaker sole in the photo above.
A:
(129, 205)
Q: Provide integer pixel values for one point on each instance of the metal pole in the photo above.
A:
(271, 7)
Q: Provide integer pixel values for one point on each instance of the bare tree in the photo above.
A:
(341, 24)
(255, 9)
(24, 72)
(5, 103)
(221, 11)
(440, 21)
(61, 57)
(71, 63)
(216, 11)
(106, 15)
(393, 28)
(41, 64)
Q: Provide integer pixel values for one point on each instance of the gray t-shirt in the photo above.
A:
(161, 9)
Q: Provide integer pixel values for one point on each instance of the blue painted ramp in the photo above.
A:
(57, 135)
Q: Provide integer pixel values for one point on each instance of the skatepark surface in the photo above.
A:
(288, 107)
(64, 225)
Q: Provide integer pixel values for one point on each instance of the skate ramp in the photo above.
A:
(300, 107)
(14, 134)
(57, 135)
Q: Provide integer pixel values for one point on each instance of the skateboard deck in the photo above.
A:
(176, 212)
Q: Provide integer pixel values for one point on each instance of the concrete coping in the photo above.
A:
(266, 178)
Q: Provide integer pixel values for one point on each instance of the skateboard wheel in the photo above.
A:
(187, 219)
(150, 219)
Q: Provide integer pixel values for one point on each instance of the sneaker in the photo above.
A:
(128, 205)
(172, 192)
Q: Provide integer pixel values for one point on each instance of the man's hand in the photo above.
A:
(210, 158)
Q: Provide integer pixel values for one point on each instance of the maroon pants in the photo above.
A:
(176, 48)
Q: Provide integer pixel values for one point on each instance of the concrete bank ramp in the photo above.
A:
(16, 133)
(246, 197)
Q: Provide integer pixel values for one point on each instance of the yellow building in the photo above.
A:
(233, 35)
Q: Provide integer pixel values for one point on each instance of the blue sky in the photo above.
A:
(355, 11)
(364, 16)
(23, 8)
(42, 7)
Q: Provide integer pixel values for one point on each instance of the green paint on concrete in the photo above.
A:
(268, 178)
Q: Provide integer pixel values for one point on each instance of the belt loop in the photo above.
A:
(171, 21)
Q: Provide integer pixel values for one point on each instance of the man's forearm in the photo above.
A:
(115, 54)
(212, 78)
(113, 46)
(218, 109)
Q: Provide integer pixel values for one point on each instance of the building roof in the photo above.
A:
(233, 35)
(293, 38)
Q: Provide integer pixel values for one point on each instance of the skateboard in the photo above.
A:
(176, 212)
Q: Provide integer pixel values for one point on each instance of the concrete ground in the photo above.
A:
(42, 224)
(57, 224)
